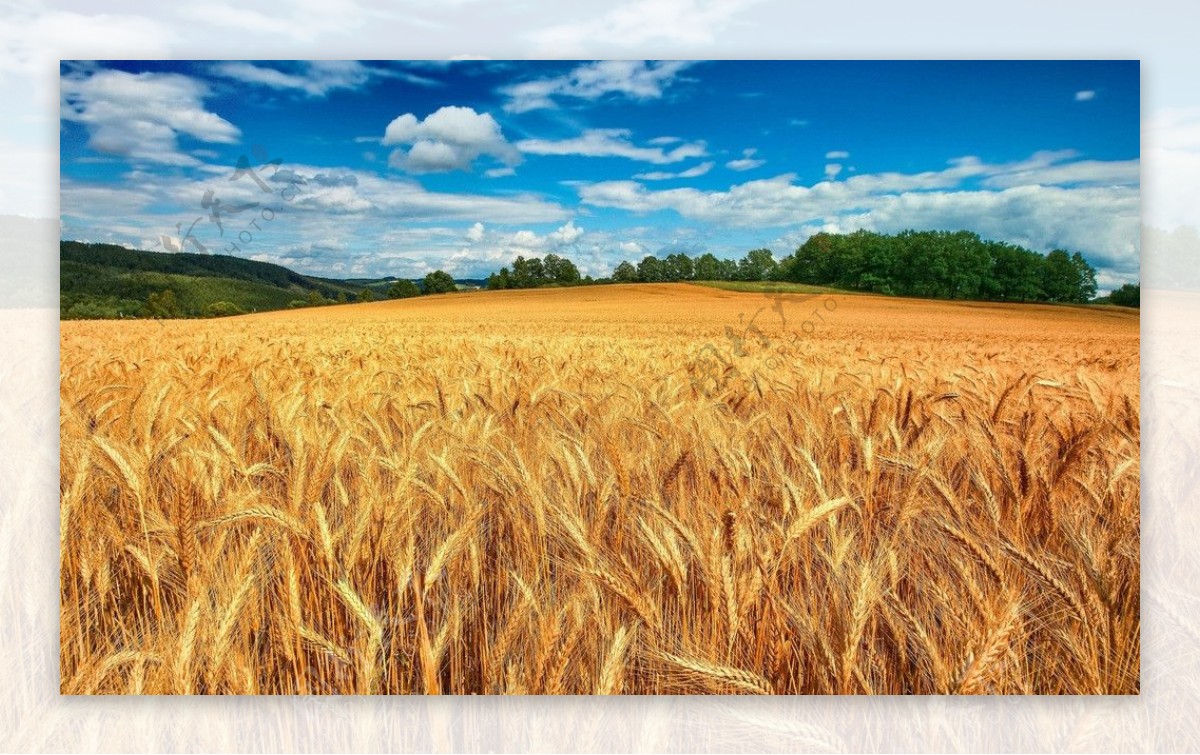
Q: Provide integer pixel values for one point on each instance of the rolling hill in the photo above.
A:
(108, 281)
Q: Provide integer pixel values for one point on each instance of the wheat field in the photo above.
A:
(603, 490)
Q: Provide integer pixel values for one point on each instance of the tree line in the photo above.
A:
(940, 264)
(552, 270)
(933, 264)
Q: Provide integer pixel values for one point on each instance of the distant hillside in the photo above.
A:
(108, 281)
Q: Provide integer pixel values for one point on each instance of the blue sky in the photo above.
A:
(371, 169)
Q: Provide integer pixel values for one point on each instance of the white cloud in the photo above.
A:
(832, 170)
(1085, 95)
(526, 240)
(489, 249)
(35, 37)
(500, 172)
(315, 78)
(662, 175)
(642, 24)
(632, 248)
(611, 142)
(141, 116)
(1172, 151)
(837, 154)
(451, 138)
(746, 162)
(382, 225)
(566, 235)
(343, 203)
(305, 22)
(1060, 169)
(1062, 209)
(630, 79)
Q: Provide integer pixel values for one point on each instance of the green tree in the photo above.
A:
(651, 270)
(163, 305)
(625, 273)
(727, 270)
(757, 265)
(1085, 276)
(560, 270)
(1129, 295)
(679, 267)
(527, 273)
(1016, 274)
(221, 309)
(809, 262)
(706, 267)
(498, 281)
(366, 295)
(403, 289)
(439, 282)
(1067, 277)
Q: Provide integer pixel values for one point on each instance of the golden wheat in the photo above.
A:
(588, 491)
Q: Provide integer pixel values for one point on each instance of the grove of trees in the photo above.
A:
(552, 270)
(438, 282)
(935, 264)
(1129, 295)
(940, 264)
(403, 289)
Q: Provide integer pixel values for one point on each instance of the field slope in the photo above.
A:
(638, 489)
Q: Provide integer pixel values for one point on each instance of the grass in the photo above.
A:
(554, 491)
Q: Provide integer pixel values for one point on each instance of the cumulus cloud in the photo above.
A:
(832, 170)
(526, 241)
(1063, 207)
(837, 154)
(451, 138)
(612, 142)
(488, 249)
(141, 116)
(746, 162)
(1085, 95)
(566, 235)
(627, 79)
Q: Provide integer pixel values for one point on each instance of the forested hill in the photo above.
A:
(104, 280)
